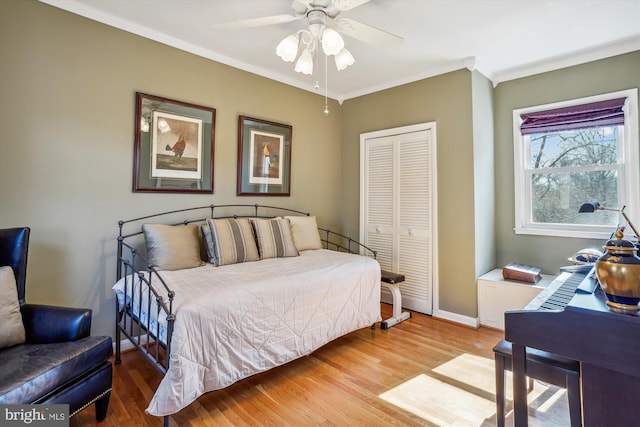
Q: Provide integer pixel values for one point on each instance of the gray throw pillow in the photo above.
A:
(173, 247)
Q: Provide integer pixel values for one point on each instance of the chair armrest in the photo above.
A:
(49, 324)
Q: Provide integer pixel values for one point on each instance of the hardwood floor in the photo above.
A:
(422, 372)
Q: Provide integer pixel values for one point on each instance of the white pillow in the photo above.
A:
(304, 230)
(173, 247)
(11, 327)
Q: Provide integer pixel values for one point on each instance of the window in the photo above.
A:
(573, 152)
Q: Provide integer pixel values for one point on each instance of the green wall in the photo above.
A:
(608, 75)
(445, 99)
(484, 174)
(67, 97)
(67, 92)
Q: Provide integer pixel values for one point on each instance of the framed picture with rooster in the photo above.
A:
(174, 146)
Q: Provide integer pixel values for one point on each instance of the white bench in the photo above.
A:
(392, 281)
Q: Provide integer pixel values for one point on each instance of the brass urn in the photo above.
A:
(618, 271)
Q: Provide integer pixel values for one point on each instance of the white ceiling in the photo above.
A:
(503, 39)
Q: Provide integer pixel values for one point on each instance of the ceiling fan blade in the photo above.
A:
(367, 33)
(343, 5)
(300, 7)
(257, 22)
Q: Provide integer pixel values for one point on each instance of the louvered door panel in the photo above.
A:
(379, 206)
(380, 185)
(383, 245)
(414, 263)
(396, 200)
(414, 221)
(414, 195)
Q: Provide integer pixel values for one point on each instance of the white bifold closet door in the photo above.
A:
(396, 208)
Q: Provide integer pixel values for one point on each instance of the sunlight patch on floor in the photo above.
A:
(440, 403)
(476, 371)
(461, 392)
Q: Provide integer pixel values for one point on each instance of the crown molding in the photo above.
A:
(470, 63)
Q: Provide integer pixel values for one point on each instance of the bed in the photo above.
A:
(210, 309)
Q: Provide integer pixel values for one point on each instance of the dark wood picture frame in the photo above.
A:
(264, 157)
(174, 145)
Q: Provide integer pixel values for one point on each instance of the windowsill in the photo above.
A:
(600, 235)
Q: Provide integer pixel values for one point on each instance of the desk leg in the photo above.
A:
(520, 406)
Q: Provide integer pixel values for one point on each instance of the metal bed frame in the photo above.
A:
(132, 262)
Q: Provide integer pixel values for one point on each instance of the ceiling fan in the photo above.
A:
(324, 29)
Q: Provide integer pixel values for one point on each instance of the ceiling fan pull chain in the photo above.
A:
(326, 87)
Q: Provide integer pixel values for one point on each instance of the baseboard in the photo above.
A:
(474, 322)
(407, 302)
(126, 345)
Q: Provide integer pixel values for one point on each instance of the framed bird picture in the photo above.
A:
(174, 146)
(264, 158)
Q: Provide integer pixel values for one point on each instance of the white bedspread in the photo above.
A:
(237, 320)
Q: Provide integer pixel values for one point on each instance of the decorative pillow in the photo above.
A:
(11, 327)
(173, 247)
(304, 230)
(232, 241)
(208, 241)
(274, 238)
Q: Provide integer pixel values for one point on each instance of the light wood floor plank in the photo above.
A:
(393, 377)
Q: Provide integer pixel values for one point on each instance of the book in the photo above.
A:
(522, 273)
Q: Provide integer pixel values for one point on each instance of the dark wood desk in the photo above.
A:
(606, 343)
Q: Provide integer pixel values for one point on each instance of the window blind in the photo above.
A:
(601, 113)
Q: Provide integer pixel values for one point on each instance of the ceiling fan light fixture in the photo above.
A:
(332, 42)
(325, 29)
(304, 64)
(288, 48)
(344, 59)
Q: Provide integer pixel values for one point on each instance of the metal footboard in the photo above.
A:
(341, 243)
(141, 331)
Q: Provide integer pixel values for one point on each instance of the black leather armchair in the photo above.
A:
(60, 361)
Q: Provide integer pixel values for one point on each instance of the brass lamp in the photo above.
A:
(618, 269)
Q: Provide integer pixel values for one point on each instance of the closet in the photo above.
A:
(398, 207)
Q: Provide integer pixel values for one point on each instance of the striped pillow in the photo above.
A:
(231, 241)
(208, 243)
(274, 238)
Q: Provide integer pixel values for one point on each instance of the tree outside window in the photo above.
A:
(568, 166)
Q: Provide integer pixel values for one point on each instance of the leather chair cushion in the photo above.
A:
(30, 371)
